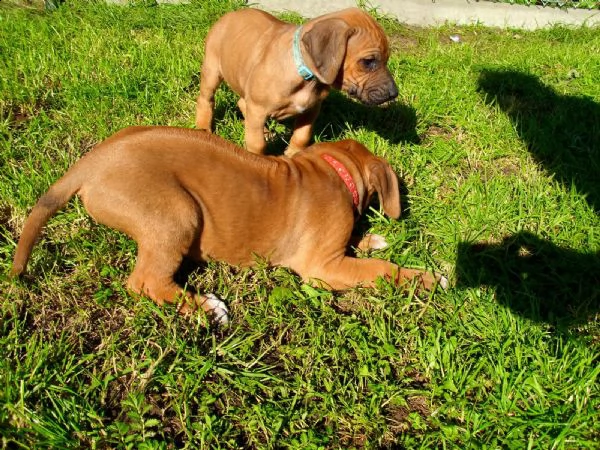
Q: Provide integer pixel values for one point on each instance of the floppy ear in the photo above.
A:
(325, 43)
(384, 180)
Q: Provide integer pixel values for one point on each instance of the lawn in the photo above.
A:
(496, 138)
(584, 4)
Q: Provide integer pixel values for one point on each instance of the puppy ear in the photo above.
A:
(384, 180)
(325, 43)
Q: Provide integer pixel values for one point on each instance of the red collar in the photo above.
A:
(341, 170)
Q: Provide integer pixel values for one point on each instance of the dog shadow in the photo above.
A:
(395, 122)
(562, 132)
(531, 275)
(534, 277)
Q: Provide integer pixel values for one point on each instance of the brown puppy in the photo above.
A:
(181, 192)
(281, 70)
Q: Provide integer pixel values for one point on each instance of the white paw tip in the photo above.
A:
(217, 309)
(443, 282)
(377, 242)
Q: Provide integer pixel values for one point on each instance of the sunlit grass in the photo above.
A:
(496, 140)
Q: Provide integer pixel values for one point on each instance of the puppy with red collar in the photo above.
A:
(186, 193)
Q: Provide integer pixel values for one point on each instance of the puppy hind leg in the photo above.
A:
(209, 82)
(155, 280)
(153, 276)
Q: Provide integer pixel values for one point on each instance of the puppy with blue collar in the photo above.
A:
(280, 70)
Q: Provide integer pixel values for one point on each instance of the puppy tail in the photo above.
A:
(54, 199)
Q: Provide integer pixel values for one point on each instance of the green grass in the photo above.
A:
(496, 139)
(584, 4)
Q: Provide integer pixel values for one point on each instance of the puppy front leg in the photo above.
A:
(254, 133)
(349, 272)
(242, 107)
(303, 131)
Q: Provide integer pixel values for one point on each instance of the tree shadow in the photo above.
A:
(534, 277)
(562, 132)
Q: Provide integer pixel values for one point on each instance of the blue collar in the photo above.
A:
(303, 71)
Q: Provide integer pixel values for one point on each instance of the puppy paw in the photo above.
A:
(425, 280)
(216, 309)
(372, 242)
(442, 281)
(291, 150)
(430, 281)
(269, 134)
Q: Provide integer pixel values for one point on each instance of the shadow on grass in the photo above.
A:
(395, 122)
(533, 276)
(562, 132)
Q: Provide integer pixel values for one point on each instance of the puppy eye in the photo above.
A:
(369, 63)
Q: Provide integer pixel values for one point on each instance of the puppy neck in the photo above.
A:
(346, 177)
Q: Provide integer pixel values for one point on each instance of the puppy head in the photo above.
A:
(325, 43)
(350, 52)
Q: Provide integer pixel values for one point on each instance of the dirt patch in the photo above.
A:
(443, 132)
(398, 42)
(6, 221)
(353, 301)
(351, 437)
(19, 113)
(507, 166)
(399, 417)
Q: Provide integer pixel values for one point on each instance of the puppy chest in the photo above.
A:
(299, 103)
(304, 100)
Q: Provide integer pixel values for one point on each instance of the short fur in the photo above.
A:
(186, 193)
(252, 51)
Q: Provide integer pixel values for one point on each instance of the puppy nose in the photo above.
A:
(393, 91)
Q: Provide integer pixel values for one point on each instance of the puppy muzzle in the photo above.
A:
(376, 94)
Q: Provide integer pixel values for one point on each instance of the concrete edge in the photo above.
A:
(440, 12)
